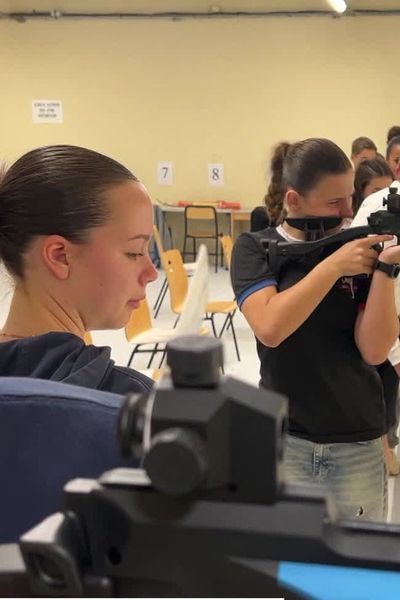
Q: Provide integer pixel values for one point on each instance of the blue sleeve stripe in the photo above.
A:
(254, 288)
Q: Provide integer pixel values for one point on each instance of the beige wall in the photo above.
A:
(201, 91)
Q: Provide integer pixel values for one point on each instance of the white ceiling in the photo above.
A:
(88, 6)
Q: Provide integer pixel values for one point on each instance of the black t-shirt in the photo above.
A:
(334, 396)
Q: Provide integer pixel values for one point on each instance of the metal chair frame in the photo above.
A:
(197, 213)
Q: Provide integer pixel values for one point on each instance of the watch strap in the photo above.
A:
(391, 271)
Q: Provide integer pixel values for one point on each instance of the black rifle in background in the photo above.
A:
(318, 245)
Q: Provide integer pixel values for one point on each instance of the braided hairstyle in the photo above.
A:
(275, 195)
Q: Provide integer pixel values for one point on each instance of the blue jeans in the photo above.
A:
(354, 473)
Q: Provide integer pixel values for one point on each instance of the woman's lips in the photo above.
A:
(134, 304)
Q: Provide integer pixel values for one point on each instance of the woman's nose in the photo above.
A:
(150, 273)
(345, 210)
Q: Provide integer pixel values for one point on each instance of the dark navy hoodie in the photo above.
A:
(51, 434)
(65, 357)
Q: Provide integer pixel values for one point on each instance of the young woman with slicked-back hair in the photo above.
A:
(74, 233)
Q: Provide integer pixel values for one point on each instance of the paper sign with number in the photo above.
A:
(164, 173)
(216, 174)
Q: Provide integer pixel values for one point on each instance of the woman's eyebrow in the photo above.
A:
(141, 236)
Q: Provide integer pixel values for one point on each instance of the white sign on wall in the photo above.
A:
(47, 111)
(164, 173)
(216, 174)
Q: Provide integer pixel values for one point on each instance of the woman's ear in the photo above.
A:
(55, 255)
(292, 201)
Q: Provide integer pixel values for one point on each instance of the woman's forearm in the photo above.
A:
(274, 318)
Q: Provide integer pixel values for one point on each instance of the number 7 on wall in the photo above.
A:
(164, 173)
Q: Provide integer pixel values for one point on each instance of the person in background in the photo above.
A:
(393, 154)
(393, 131)
(367, 200)
(74, 232)
(370, 176)
(362, 148)
(259, 219)
(320, 331)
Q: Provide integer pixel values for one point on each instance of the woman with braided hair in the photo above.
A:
(319, 330)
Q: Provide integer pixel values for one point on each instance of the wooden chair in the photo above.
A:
(227, 247)
(178, 289)
(207, 214)
(141, 332)
(189, 267)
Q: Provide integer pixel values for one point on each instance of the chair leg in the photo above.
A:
(216, 253)
(234, 336)
(194, 249)
(176, 321)
(184, 248)
(132, 355)
(160, 294)
(226, 322)
(211, 318)
(153, 353)
(164, 354)
(162, 299)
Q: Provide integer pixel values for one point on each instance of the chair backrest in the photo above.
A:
(207, 213)
(158, 241)
(177, 279)
(203, 213)
(227, 247)
(197, 296)
(139, 321)
(50, 433)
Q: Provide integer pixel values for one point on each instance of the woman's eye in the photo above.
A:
(134, 254)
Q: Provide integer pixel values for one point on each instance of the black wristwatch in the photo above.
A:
(391, 270)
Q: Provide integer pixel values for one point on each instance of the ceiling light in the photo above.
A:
(338, 5)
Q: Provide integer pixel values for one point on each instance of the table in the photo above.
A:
(235, 215)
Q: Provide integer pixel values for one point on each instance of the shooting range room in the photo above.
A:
(195, 97)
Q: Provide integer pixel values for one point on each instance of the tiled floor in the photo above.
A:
(247, 369)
